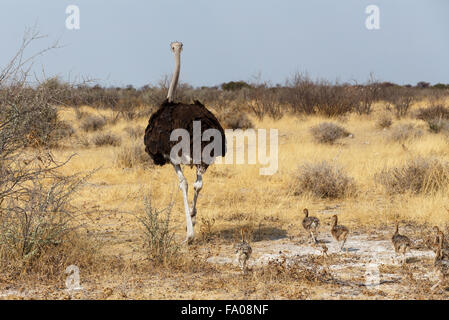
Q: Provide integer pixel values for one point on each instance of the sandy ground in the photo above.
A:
(367, 268)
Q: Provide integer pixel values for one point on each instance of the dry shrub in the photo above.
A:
(74, 249)
(418, 175)
(384, 121)
(403, 132)
(236, 120)
(106, 139)
(323, 180)
(37, 216)
(432, 112)
(400, 99)
(29, 114)
(93, 123)
(264, 101)
(328, 132)
(320, 97)
(38, 224)
(135, 132)
(367, 95)
(335, 100)
(158, 234)
(438, 125)
(131, 156)
(436, 116)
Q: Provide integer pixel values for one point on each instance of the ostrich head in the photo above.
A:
(334, 220)
(176, 47)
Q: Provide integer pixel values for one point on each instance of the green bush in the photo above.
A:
(158, 234)
(235, 85)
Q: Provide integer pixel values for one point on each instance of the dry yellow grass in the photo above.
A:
(236, 195)
(231, 189)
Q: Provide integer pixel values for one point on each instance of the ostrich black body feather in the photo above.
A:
(171, 116)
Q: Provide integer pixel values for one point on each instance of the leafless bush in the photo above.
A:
(93, 123)
(106, 139)
(321, 97)
(335, 100)
(131, 156)
(159, 236)
(36, 212)
(29, 114)
(433, 112)
(26, 119)
(436, 116)
(418, 175)
(328, 132)
(402, 102)
(403, 132)
(38, 217)
(264, 101)
(367, 95)
(323, 180)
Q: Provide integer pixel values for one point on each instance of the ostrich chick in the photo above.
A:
(441, 266)
(339, 232)
(436, 240)
(243, 251)
(401, 243)
(439, 237)
(310, 224)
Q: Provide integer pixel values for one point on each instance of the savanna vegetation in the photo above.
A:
(77, 188)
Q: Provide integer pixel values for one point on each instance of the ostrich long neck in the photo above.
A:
(174, 79)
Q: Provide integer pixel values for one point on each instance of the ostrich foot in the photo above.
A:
(188, 240)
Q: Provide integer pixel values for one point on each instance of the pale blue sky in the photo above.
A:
(127, 42)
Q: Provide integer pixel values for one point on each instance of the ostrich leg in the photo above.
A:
(184, 187)
(197, 186)
(313, 237)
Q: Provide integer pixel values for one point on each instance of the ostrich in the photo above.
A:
(171, 116)
(401, 243)
(441, 266)
(243, 251)
(444, 247)
(436, 241)
(339, 232)
(310, 224)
